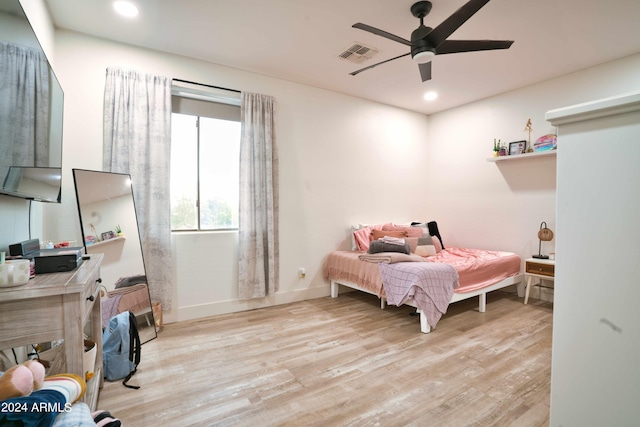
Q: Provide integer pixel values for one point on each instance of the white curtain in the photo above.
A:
(24, 107)
(137, 141)
(258, 219)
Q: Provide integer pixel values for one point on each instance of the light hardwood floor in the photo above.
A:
(346, 362)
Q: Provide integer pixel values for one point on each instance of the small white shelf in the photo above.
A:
(523, 156)
(105, 242)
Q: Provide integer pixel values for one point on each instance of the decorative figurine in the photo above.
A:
(529, 128)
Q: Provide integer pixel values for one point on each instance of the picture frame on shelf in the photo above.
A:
(517, 147)
(108, 235)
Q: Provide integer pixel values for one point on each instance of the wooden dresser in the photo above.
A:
(58, 306)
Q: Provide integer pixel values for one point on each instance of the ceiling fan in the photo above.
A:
(426, 42)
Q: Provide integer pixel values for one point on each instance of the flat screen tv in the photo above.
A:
(39, 184)
(31, 109)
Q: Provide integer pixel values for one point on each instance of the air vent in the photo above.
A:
(358, 53)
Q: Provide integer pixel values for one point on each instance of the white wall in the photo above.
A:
(337, 154)
(40, 21)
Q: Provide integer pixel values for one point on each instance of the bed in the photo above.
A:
(428, 283)
(130, 294)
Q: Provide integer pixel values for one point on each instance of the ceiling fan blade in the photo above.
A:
(381, 33)
(375, 65)
(440, 33)
(425, 71)
(456, 46)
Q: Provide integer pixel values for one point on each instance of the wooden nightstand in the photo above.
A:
(543, 269)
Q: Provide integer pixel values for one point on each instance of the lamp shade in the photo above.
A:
(544, 235)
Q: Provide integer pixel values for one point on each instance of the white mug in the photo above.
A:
(18, 271)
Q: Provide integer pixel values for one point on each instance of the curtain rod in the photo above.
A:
(211, 86)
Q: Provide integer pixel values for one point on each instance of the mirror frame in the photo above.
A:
(122, 189)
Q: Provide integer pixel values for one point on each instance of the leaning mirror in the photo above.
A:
(109, 226)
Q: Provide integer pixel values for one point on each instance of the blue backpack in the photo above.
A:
(121, 348)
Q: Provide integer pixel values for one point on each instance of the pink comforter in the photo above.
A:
(479, 268)
(346, 266)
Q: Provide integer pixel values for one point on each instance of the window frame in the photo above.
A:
(201, 103)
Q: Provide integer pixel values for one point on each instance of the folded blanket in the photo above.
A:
(390, 257)
(378, 246)
(393, 240)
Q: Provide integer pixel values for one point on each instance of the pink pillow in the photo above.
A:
(362, 236)
(411, 231)
(379, 234)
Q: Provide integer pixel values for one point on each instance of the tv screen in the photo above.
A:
(31, 109)
(40, 184)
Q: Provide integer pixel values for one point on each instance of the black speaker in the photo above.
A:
(24, 248)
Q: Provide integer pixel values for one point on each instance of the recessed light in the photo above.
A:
(430, 96)
(126, 8)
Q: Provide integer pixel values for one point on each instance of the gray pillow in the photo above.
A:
(425, 240)
(379, 246)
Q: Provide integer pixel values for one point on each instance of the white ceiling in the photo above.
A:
(300, 40)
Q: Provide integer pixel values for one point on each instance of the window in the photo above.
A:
(205, 154)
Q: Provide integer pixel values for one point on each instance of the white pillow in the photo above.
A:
(353, 239)
(425, 250)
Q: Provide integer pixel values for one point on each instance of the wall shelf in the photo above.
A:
(523, 156)
(105, 242)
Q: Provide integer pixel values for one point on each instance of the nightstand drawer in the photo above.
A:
(540, 269)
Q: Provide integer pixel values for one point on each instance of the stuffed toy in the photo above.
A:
(21, 380)
(26, 385)
(26, 379)
(31, 399)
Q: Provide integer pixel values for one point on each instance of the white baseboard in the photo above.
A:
(202, 311)
(233, 306)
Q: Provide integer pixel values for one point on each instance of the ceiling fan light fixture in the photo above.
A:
(423, 57)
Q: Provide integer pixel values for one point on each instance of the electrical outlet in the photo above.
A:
(302, 272)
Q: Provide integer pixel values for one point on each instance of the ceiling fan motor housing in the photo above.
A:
(419, 43)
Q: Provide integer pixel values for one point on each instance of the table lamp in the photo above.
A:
(545, 234)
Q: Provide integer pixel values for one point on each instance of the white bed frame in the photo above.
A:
(424, 326)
